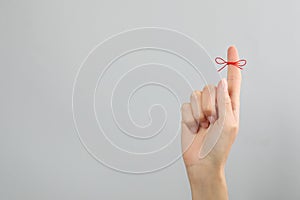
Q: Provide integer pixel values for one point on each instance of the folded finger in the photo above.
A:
(188, 118)
(197, 109)
(208, 103)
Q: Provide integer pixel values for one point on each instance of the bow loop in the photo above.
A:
(239, 63)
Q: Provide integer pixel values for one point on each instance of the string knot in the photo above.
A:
(239, 64)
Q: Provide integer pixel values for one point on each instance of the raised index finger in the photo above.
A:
(234, 79)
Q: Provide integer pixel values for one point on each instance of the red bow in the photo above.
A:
(239, 64)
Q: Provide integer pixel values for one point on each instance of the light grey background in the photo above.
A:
(42, 44)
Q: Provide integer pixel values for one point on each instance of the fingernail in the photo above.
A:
(194, 129)
(204, 124)
(211, 119)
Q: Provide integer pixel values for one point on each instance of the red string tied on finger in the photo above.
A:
(239, 64)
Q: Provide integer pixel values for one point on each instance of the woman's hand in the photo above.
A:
(210, 112)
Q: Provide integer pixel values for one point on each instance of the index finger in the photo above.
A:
(234, 78)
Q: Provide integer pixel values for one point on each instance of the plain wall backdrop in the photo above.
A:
(42, 44)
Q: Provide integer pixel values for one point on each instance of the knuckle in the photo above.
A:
(209, 88)
(207, 110)
(184, 107)
(190, 122)
(196, 115)
(234, 128)
(202, 118)
(209, 93)
(195, 94)
(205, 88)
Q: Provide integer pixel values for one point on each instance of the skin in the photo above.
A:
(214, 108)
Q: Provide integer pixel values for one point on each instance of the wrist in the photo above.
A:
(203, 174)
(207, 182)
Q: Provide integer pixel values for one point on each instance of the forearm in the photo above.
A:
(210, 184)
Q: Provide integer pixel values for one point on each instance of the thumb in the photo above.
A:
(223, 100)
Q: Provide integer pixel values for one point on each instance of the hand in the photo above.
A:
(212, 111)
